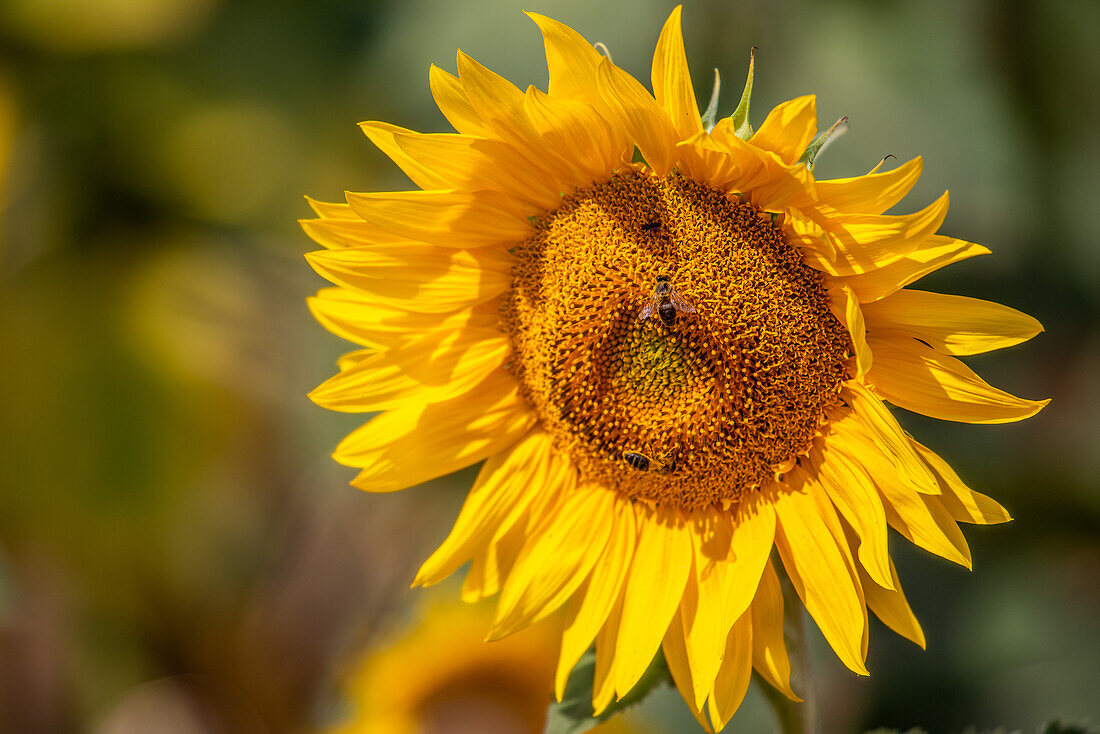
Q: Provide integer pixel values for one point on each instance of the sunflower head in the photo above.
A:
(674, 349)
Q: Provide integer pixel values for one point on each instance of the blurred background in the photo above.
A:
(179, 554)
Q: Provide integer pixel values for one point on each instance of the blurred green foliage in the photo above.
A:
(175, 544)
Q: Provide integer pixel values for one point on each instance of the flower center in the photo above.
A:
(673, 343)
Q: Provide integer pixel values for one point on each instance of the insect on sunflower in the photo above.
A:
(641, 467)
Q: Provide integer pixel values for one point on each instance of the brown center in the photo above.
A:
(673, 343)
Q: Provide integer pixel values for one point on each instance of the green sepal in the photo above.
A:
(814, 149)
(740, 116)
(573, 714)
(710, 117)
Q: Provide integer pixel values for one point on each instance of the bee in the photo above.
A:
(651, 226)
(658, 462)
(666, 302)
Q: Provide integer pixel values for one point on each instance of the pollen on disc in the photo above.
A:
(718, 399)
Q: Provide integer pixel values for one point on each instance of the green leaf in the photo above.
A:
(815, 148)
(710, 117)
(574, 713)
(740, 116)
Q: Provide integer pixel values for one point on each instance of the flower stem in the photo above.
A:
(793, 717)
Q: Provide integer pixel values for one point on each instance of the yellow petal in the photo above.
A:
(451, 99)
(891, 606)
(639, 114)
(963, 503)
(572, 61)
(491, 565)
(420, 278)
(810, 542)
(771, 185)
(573, 64)
(591, 605)
(920, 518)
(410, 445)
(346, 312)
(431, 368)
(500, 104)
(854, 493)
(504, 489)
(757, 165)
(497, 101)
(331, 210)
(700, 622)
(382, 134)
(754, 524)
(865, 242)
(607, 657)
(918, 378)
(764, 179)
(336, 234)
(785, 188)
(769, 646)
(731, 551)
(476, 163)
(702, 617)
(884, 431)
(447, 218)
(672, 81)
(555, 560)
(933, 529)
(577, 127)
(349, 359)
(845, 306)
(703, 163)
(359, 318)
(788, 128)
(931, 255)
(654, 587)
(870, 194)
(733, 678)
(952, 324)
(676, 656)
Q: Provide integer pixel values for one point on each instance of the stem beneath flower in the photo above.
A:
(793, 718)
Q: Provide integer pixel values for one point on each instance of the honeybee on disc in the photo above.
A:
(665, 302)
(656, 462)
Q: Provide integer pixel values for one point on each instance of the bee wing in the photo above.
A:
(680, 303)
(648, 310)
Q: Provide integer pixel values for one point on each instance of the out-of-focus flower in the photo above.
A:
(437, 674)
(669, 367)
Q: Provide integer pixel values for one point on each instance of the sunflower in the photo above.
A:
(671, 363)
(437, 674)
